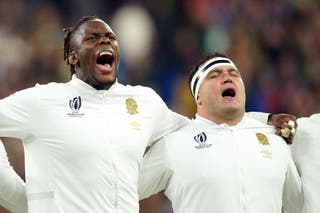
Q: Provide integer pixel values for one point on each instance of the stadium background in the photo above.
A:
(274, 43)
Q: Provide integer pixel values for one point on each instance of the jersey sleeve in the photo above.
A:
(15, 114)
(155, 170)
(166, 120)
(12, 188)
(259, 116)
(292, 193)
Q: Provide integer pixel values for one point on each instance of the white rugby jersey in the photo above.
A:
(84, 146)
(12, 187)
(306, 154)
(205, 167)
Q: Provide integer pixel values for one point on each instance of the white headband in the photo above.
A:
(203, 71)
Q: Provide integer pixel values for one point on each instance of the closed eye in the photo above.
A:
(234, 73)
(91, 38)
(213, 74)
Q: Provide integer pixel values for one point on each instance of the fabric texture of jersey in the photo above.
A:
(205, 167)
(83, 147)
(306, 154)
(12, 187)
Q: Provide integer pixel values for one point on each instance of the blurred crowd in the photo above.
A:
(274, 43)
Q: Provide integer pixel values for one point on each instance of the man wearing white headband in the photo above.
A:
(223, 161)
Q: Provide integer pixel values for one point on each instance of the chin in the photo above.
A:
(234, 109)
(105, 79)
(104, 83)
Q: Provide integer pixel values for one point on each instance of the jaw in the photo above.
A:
(230, 105)
(105, 68)
(104, 71)
(96, 78)
(104, 80)
(233, 113)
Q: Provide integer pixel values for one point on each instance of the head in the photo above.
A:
(218, 89)
(91, 50)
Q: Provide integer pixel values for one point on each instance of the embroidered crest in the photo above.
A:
(262, 139)
(132, 106)
(266, 153)
(135, 125)
(201, 140)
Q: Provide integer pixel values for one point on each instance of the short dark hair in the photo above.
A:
(68, 46)
(202, 61)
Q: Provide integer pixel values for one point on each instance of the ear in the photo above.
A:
(199, 101)
(73, 58)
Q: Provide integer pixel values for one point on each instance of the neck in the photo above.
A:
(95, 83)
(231, 119)
(101, 86)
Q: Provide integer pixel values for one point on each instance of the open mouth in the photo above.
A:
(229, 93)
(105, 58)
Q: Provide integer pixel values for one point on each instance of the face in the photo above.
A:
(97, 54)
(222, 94)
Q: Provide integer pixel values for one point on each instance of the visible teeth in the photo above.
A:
(105, 53)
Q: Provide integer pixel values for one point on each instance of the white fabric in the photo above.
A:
(84, 158)
(12, 187)
(306, 154)
(229, 172)
(259, 116)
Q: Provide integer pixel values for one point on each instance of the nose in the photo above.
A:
(226, 78)
(104, 40)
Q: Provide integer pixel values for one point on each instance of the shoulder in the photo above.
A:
(147, 99)
(308, 127)
(261, 130)
(251, 123)
(50, 86)
(37, 90)
(183, 134)
(313, 119)
(136, 90)
(51, 90)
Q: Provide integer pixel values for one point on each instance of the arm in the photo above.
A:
(306, 155)
(282, 122)
(15, 114)
(12, 187)
(166, 120)
(156, 203)
(155, 172)
(293, 200)
(259, 116)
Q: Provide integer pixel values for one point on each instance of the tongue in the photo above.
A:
(104, 68)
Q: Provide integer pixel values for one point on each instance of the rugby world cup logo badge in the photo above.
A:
(75, 105)
(201, 139)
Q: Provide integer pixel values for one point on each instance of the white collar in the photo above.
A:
(206, 121)
(75, 81)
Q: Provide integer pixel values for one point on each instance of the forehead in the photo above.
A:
(223, 67)
(95, 26)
